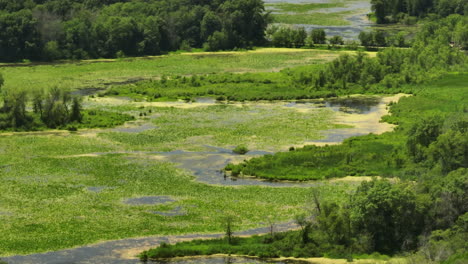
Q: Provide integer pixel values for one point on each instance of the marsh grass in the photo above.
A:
(372, 155)
(105, 73)
(47, 197)
(259, 126)
(46, 178)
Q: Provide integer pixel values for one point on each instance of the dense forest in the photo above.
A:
(81, 29)
(399, 10)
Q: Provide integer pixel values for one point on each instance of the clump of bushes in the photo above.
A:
(241, 150)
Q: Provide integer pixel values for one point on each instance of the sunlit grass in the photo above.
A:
(45, 204)
(103, 73)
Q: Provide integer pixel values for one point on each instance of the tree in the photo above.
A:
(217, 41)
(2, 81)
(298, 37)
(318, 36)
(450, 151)
(336, 40)
(379, 38)
(421, 135)
(450, 196)
(210, 24)
(228, 225)
(56, 112)
(76, 108)
(389, 213)
(19, 36)
(366, 39)
(305, 224)
(460, 35)
(378, 6)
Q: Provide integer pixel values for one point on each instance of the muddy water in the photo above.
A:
(357, 20)
(124, 251)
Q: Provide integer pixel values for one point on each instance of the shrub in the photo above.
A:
(241, 150)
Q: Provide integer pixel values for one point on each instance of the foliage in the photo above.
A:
(286, 36)
(240, 149)
(55, 108)
(336, 40)
(318, 36)
(53, 29)
(419, 145)
(394, 10)
(379, 217)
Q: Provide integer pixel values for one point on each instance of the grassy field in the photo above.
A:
(46, 204)
(104, 73)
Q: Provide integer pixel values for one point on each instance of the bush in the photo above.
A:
(241, 150)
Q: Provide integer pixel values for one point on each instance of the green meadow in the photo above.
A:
(57, 193)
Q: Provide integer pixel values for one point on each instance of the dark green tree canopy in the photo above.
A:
(80, 29)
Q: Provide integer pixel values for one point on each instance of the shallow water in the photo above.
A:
(149, 200)
(358, 21)
(178, 211)
(206, 165)
(124, 251)
(135, 128)
(361, 112)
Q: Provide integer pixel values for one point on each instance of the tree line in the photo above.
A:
(81, 29)
(388, 11)
(394, 67)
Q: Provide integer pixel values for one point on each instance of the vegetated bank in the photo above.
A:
(391, 70)
(424, 216)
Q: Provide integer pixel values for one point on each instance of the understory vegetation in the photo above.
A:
(55, 108)
(378, 217)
